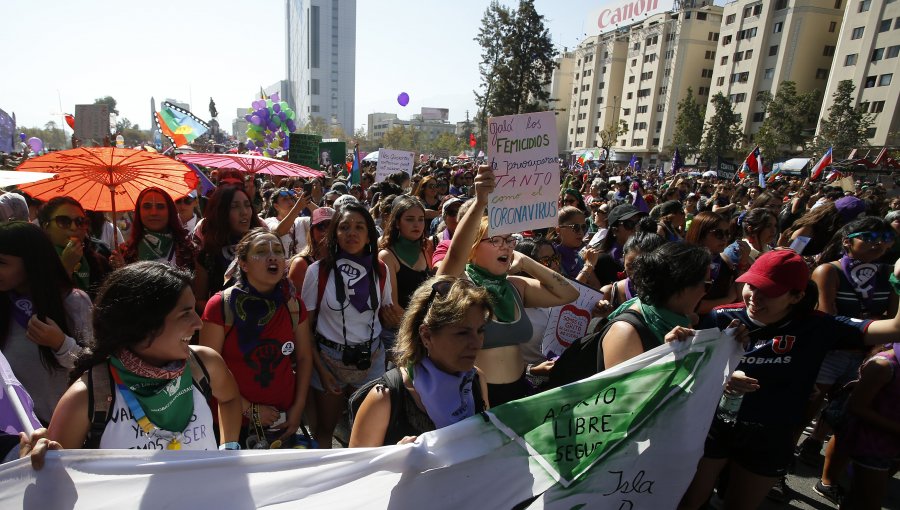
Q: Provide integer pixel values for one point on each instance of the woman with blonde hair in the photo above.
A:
(436, 382)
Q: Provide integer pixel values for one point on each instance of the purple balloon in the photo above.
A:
(247, 117)
(251, 145)
(272, 126)
(276, 107)
(291, 125)
(276, 97)
(36, 144)
(282, 116)
(403, 99)
(22, 137)
(255, 120)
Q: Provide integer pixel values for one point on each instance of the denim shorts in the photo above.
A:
(348, 375)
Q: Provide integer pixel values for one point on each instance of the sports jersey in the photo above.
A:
(262, 369)
(785, 359)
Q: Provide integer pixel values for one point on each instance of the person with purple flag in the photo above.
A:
(677, 162)
(16, 407)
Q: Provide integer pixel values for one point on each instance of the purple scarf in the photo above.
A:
(629, 288)
(22, 308)
(569, 259)
(862, 277)
(447, 398)
(355, 271)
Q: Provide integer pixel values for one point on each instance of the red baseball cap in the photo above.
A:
(777, 272)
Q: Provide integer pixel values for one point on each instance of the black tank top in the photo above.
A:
(408, 280)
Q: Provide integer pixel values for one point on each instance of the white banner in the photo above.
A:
(630, 436)
(391, 161)
(569, 322)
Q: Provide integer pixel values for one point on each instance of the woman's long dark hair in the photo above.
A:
(392, 229)
(184, 249)
(45, 275)
(216, 227)
(131, 307)
(331, 245)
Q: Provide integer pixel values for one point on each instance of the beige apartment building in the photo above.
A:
(764, 43)
(637, 74)
(868, 53)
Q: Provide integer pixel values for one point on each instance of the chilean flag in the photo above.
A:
(820, 166)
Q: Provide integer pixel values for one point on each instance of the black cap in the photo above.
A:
(622, 212)
(671, 207)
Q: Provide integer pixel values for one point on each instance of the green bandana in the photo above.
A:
(499, 288)
(155, 246)
(168, 403)
(407, 251)
(82, 275)
(658, 319)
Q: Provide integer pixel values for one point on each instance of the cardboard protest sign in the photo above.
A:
(522, 154)
(391, 161)
(569, 322)
(91, 121)
(304, 150)
(726, 170)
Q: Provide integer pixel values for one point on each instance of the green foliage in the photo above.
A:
(789, 119)
(723, 131)
(609, 136)
(688, 134)
(109, 101)
(53, 137)
(845, 127)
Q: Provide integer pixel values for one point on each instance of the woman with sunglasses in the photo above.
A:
(287, 223)
(572, 198)
(436, 382)
(44, 319)
(187, 211)
(492, 262)
(65, 223)
(427, 193)
(346, 291)
(788, 341)
(623, 223)
(259, 327)
(620, 291)
(567, 239)
(157, 232)
(402, 250)
(710, 231)
(851, 283)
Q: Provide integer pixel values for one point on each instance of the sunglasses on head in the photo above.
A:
(576, 227)
(873, 237)
(67, 221)
(440, 288)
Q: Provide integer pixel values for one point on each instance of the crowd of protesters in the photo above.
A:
(269, 312)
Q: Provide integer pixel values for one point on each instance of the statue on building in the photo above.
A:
(212, 108)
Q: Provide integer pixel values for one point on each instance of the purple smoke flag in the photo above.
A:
(633, 164)
(11, 420)
(7, 132)
(677, 162)
(206, 185)
(354, 172)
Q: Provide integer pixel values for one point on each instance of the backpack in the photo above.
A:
(584, 357)
(393, 381)
(102, 395)
(323, 281)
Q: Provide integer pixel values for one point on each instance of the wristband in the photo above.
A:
(230, 445)
(528, 369)
(895, 283)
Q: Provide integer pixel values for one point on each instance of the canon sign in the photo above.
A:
(624, 13)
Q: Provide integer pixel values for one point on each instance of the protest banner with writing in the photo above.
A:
(522, 154)
(91, 122)
(304, 150)
(627, 438)
(392, 161)
(726, 170)
(569, 322)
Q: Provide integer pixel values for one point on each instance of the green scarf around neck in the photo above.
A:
(407, 251)
(168, 403)
(501, 291)
(658, 319)
(155, 245)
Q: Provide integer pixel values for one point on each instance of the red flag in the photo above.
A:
(753, 161)
(820, 166)
(472, 141)
(70, 120)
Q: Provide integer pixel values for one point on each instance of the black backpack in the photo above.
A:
(584, 357)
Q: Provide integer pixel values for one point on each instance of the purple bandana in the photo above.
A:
(22, 309)
(447, 397)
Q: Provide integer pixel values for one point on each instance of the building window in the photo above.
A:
(884, 26)
(623, 142)
(703, 91)
(587, 72)
(701, 16)
(713, 36)
(739, 56)
(650, 58)
(637, 141)
(769, 73)
(864, 5)
(644, 93)
(893, 51)
(828, 52)
(314, 87)
(821, 74)
(857, 33)
(832, 26)
(646, 75)
(596, 129)
(729, 19)
(639, 126)
(577, 76)
(837, 4)
(738, 98)
(642, 109)
(660, 108)
(658, 126)
(850, 60)
(726, 40)
(662, 91)
(778, 27)
(759, 116)
(631, 79)
(314, 37)
(885, 79)
(870, 82)
(773, 50)
(724, 60)
(314, 108)
(706, 73)
(781, 4)
(636, 46)
(720, 81)
(655, 143)
(877, 107)
(667, 72)
(626, 111)
(630, 95)
(599, 100)
(877, 54)
(710, 55)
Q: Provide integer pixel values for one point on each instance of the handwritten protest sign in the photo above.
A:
(569, 322)
(304, 150)
(391, 161)
(522, 153)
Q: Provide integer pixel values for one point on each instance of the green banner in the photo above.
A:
(304, 150)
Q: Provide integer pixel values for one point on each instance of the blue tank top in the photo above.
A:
(502, 334)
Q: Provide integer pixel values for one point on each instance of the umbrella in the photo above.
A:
(106, 178)
(709, 173)
(372, 156)
(251, 164)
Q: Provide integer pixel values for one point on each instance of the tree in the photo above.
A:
(789, 117)
(723, 132)
(447, 141)
(400, 138)
(846, 125)
(611, 133)
(517, 61)
(316, 126)
(109, 101)
(688, 134)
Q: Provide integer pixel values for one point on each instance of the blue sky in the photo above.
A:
(69, 52)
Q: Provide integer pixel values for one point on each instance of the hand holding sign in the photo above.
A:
(484, 183)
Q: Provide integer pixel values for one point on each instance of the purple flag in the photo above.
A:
(9, 420)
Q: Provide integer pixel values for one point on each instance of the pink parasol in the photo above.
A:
(251, 164)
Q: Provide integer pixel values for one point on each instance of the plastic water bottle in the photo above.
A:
(729, 405)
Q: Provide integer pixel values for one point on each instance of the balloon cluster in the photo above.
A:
(270, 122)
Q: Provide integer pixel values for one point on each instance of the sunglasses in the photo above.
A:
(286, 193)
(873, 237)
(431, 185)
(576, 227)
(185, 200)
(628, 224)
(67, 221)
(498, 241)
(718, 232)
(548, 261)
